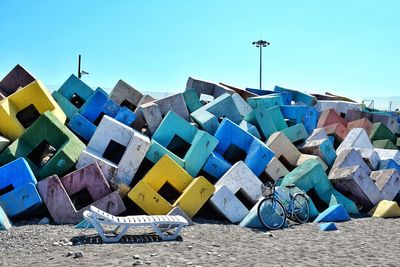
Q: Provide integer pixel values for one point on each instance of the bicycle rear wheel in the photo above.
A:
(301, 208)
(271, 213)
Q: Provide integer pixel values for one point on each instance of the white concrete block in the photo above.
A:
(317, 134)
(338, 106)
(304, 157)
(349, 158)
(240, 177)
(275, 169)
(226, 203)
(356, 138)
(370, 157)
(388, 182)
(385, 154)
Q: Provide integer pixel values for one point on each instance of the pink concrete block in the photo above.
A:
(66, 198)
(329, 117)
(361, 123)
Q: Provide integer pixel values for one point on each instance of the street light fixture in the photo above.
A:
(261, 44)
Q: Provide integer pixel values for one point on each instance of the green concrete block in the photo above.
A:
(69, 109)
(277, 118)
(192, 100)
(380, 132)
(296, 132)
(385, 144)
(46, 131)
(311, 175)
(266, 101)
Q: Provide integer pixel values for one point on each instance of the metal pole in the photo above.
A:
(79, 67)
(260, 67)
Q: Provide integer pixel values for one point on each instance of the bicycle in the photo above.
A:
(272, 213)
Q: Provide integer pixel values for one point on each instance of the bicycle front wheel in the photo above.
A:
(301, 208)
(271, 213)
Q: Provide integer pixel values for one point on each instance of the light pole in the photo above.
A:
(261, 44)
(80, 73)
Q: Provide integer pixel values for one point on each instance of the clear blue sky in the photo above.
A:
(346, 47)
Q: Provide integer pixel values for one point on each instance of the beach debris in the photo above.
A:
(330, 226)
(336, 213)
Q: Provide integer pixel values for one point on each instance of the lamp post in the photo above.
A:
(80, 73)
(261, 44)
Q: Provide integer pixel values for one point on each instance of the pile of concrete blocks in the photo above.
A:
(207, 151)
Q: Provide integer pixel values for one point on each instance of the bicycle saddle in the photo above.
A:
(290, 186)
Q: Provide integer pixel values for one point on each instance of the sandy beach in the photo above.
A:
(362, 242)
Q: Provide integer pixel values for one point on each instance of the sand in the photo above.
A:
(366, 241)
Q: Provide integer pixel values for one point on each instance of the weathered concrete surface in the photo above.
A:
(356, 138)
(388, 182)
(57, 194)
(361, 123)
(275, 169)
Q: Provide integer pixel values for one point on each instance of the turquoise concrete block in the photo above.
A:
(298, 96)
(72, 95)
(5, 223)
(250, 128)
(209, 115)
(192, 100)
(286, 97)
(328, 152)
(311, 175)
(184, 143)
(327, 226)
(285, 199)
(336, 213)
(295, 133)
(268, 121)
(266, 101)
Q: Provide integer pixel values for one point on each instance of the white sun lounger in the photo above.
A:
(158, 222)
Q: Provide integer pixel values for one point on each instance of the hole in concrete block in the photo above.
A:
(319, 204)
(77, 101)
(178, 146)
(234, 154)
(114, 152)
(286, 163)
(127, 104)
(98, 119)
(241, 195)
(169, 193)
(6, 189)
(28, 115)
(81, 199)
(42, 154)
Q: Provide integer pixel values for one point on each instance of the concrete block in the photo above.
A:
(4, 142)
(263, 120)
(118, 149)
(330, 96)
(398, 142)
(322, 148)
(348, 158)
(17, 78)
(193, 192)
(154, 111)
(388, 164)
(265, 101)
(370, 157)
(330, 226)
(275, 169)
(178, 211)
(341, 107)
(361, 123)
(251, 220)
(5, 223)
(298, 96)
(388, 182)
(66, 198)
(250, 128)
(311, 176)
(18, 194)
(380, 132)
(208, 116)
(386, 209)
(72, 95)
(184, 143)
(338, 130)
(92, 111)
(207, 87)
(387, 154)
(228, 205)
(305, 157)
(241, 105)
(384, 144)
(329, 117)
(356, 138)
(336, 213)
(355, 183)
(234, 145)
(48, 146)
(192, 100)
(282, 147)
(306, 115)
(318, 134)
(295, 133)
(19, 110)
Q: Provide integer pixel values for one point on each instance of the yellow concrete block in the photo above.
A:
(281, 145)
(386, 209)
(149, 200)
(275, 169)
(35, 94)
(195, 195)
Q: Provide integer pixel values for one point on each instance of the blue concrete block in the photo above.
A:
(388, 164)
(19, 184)
(336, 213)
(232, 138)
(94, 105)
(306, 115)
(169, 138)
(216, 165)
(286, 97)
(5, 223)
(327, 226)
(82, 127)
(253, 221)
(331, 139)
(250, 128)
(298, 96)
